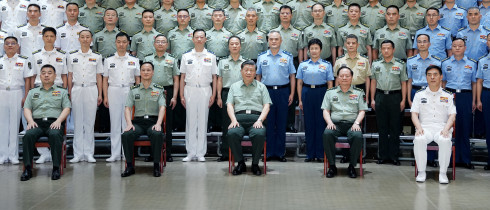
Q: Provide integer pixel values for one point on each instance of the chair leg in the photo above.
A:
(360, 165)
(162, 158)
(62, 158)
(325, 161)
(454, 162)
(416, 171)
(164, 154)
(265, 157)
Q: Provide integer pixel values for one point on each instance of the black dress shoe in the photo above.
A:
(268, 159)
(56, 174)
(283, 159)
(468, 166)
(149, 159)
(170, 159)
(256, 170)
(240, 168)
(156, 171)
(332, 171)
(352, 171)
(320, 160)
(381, 161)
(26, 175)
(309, 159)
(128, 172)
(222, 159)
(291, 129)
(396, 162)
(432, 163)
(487, 167)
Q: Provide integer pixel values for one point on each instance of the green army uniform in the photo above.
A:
(165, 69)
(336, 16)
(217, 42)
(46, 107)
(301, 13)
(147, 103)
(248, 4)
(103, 42)
(344, 109)
(142, 43)
(80, 3)
(165, 20)
(218, 3)
(201, 18)
(412, 18)
(247, 99)
(92, 17)
(130, 19)
(253, 43)
(359, 65)
(430, 3)
(400, 36)
(183, 4)
(180, 41)
(360, 2)
(388, 76)
(326, 2)
(398, 3)
(111, 3)
(235, 19)
(373, 17)
(361, 31)
(268, 13)
(325, 33)
(292, 40)
(229, 71)
(149, 4)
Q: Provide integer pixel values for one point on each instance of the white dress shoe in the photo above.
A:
(201, 159)
(91, 159)
(41, 160)
(443, 178)
(14, 161)
(112, 159)
(2, 161)
(75, 160)
(186, 159)
(421, 176)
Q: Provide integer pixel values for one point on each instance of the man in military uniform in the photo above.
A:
(166, 17)
(149, 110)
(130, 17)
(268, 13)
(142, 42)
(388, 94)
(322, 31)
(247, 113)
(180, 38)
(54, 12)
(276, 70)
(235, 17)
(412, 17)
(16, 70)
(30, 34)
(104, 40)
(183, 4)
(254, 41)
(484, 7)
(398, 3)
(459, 76)
(149, 4)
(392, 31)
(217, 37)
(440, 45)
(120, 72)
(67, 34)
(247, 4)
(229, 73)
(218, 4)
(13, 14)
(45, 109)
(85, 88)
(453, 17)
(166, 75)
(336, 14)
(92, 16)
(110, 3)
(435, 108)
(201, 15)
(483, 95)
(430, 3)
(301, 13)
(344, 107)
(467, 4)
(360, 2)
(373, 15)
(355, 27)
(475, 35)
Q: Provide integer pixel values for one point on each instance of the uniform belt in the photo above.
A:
(10, 88)
(120, 85)
(387, 92)
(248, 112)
(418, 87)
(146, 117)
(46, 119)
(344, 121)
(314, 86)
(197, 85)
(89, 84)
(484, 88)
(275, 87)
(458, 90)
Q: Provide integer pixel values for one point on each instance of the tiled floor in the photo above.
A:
(291, 185)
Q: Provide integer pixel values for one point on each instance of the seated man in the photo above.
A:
(343, 109)
(433, 115)
(45, 109)
(248, 104)
(149, 109)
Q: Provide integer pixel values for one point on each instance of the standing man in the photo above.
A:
(388, 94)
(229, 73)
(301, 14)
(54, 13)
(30, 34)
(120, 72)
(13, 13)
(336, 14)
(373, 15)
(440, 45)
(355, 27)
(166, 74)
(149, 4)
(104, 40)
(475, 35)
(111, 3)
(254, 40)
(247, 106)
(15, 72)
(142, 42)
(459, 77)
(92, 16)
(85, 70)
(217, 37)
(430, 3)
(183, 4)
(149, 110)
(166, 17)
(483, 95)
(130, 17)
(412, 17)
(67, 34)
(180, 38)
(45, 109)
(453, 17)
(235, 17)
(268, 13)
(198, 70)
(276, 70)
(201, 15)
(324, 32)
(218, 4)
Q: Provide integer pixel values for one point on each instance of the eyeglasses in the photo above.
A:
(182, 16)
(160, 42)
(318, 10)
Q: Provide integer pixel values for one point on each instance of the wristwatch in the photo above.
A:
(355, 122)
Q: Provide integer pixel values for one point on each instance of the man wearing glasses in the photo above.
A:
(440, 43)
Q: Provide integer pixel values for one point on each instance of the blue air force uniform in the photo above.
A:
(476, 41)
(484, 74)
(416, 67)
(454, 18)
(440, 40)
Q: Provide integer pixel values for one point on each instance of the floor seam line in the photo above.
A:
(243, 192)
(64, 186)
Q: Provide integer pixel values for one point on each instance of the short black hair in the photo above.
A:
(456, 39)
(218, 10)
(34, 5)
(111, 9)
(11, 37)
(393, 6)
(345, 67)
(428, 37)
(72, 3)
(248, 62)
(286, 7)
(160, 35)
(432, 8)
(180, 10)
(48, 66)
(354, 5)
(315, 41)
(352, 36)
(47, 29)
(197, 30)
(91, 35)
(389, 42)
(234, 36)
(323, 7)
(433, 67)
(122, 34)
(147, 62)
(147, 10)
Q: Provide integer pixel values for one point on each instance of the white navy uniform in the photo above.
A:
(30, 38)
(67, 36)
(13, 13)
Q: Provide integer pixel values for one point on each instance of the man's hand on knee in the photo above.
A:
(155, 127)
(355, 127)
(445, 133)
(419, 132)
(31, 125)
(55, 125)
(331, 127)
(129, 127)
(234, 125)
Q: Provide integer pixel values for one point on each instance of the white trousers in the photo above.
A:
(117, 99)
(196, 102)
(84, 109)
(10, 111)
(432, 133)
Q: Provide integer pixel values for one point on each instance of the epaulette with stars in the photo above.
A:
(486, 28)
(20, 26)
(111, 55)
(158, 86)
(134, 56)
(435, 57)
(209, 51)
(265, 32)
(340, 57)
(365, 25)
(333, 88)
(471, 59)
(342, 25)
(22, 56)
(461, 29)
(37, 51)
(74, 51)
(96, 52)
(61, 51)
(411, 57)
(188, 51)
(84, 25)
(60, 26)
(365, 56)
(447, 91)
(399, 60)
(135, 86)
(420, 28)
(358, 89)
(98, 31)
(328, 24)
(262, 53)
(461, 7)
(59, 86)
(287, 53)
(446, 28)
(445, 59)
(240, 31)
(298, 28)
(481, 57)
(421, 89)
